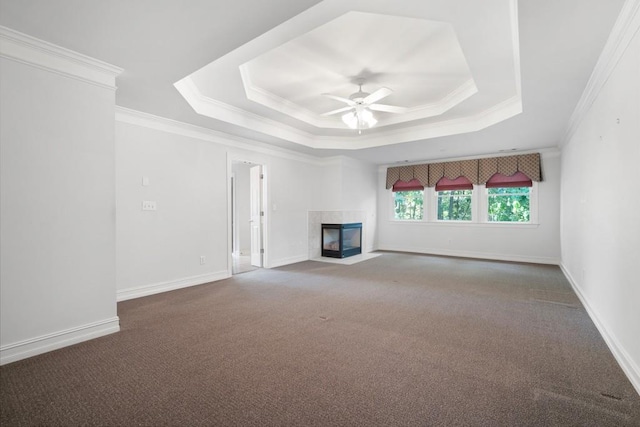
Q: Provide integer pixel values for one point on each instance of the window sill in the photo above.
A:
(518, 225)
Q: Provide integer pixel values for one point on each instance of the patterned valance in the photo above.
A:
(477, 171)
(407, 173)
(528, 164)
(453, 170)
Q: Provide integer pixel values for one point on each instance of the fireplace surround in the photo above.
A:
(341, 240)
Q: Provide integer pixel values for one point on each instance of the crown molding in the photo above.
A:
(502, 111)
(281, 105)
(29, 50)
(150, 121)
(458, 95)
(211, 108)
(625, 28)
(284, 106)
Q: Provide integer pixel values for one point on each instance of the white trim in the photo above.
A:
(209, 107)
(471, 254)
(625, 28)
(627, 364)
(219, 110)
(46, 56)
(266, 219)
(266, 191)
(270, 100)
(471, 224)
(229, 216)
(150, 121)
(290, 260)
(171, 285)
(53, 341)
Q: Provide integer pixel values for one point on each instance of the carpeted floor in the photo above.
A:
(401, 339)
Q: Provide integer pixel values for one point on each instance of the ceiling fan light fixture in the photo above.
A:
(359, 119)
(360, 105)
(350, 119)
(367, 119)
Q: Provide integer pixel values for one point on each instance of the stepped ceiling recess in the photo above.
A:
(476, 77)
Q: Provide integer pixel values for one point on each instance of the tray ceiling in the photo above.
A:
(454, 72)
(530, 61)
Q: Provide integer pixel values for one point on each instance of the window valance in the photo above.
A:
(477, 171)
(453, 170)
(528, 164)
(408, 173)
(499, 180)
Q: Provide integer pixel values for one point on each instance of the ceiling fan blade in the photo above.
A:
(341, 99)
(339, 110)
(388, 108)
(377, 95)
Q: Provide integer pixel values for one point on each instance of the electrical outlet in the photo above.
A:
(202, 259)
(148, 205)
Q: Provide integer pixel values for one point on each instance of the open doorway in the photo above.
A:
(247, 217)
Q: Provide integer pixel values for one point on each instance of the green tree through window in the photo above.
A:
(454, 205)
(409, 204)
(509, 204)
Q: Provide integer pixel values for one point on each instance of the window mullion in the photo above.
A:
(482, 197)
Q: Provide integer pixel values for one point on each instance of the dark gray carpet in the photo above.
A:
(401, 339)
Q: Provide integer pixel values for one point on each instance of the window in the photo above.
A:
(454, 205)
(511, 204)
(509, 197)
(408, 200)
(497, 192)
(408, 205)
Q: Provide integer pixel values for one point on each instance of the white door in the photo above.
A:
(255, 185)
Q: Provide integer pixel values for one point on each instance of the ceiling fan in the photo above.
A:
(360, 106)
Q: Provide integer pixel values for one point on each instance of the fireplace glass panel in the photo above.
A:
(341, 240)
(331, 239)
(351, 238)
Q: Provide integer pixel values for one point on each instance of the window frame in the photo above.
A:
(474, 202)
(479, 209)
(392, 210)
(504, 196)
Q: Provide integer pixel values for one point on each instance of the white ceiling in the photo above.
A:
(478, 77)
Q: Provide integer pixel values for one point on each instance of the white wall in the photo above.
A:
(515, 242)
(359, 193)
(188, 170)
(345, 192)
(600, 231)
(327, 189)
(290, 193)
(57, 281)
(159, 250)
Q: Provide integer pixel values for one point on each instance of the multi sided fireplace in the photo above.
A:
(341, 240)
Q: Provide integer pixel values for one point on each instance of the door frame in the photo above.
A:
(231, 158)
(256, 223)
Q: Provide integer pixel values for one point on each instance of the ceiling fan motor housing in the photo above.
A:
(359, 96)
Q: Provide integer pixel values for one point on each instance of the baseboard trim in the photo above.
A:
(171, 285)
(286, 261)
(471, 254)
(45, 343)
(622, 357)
